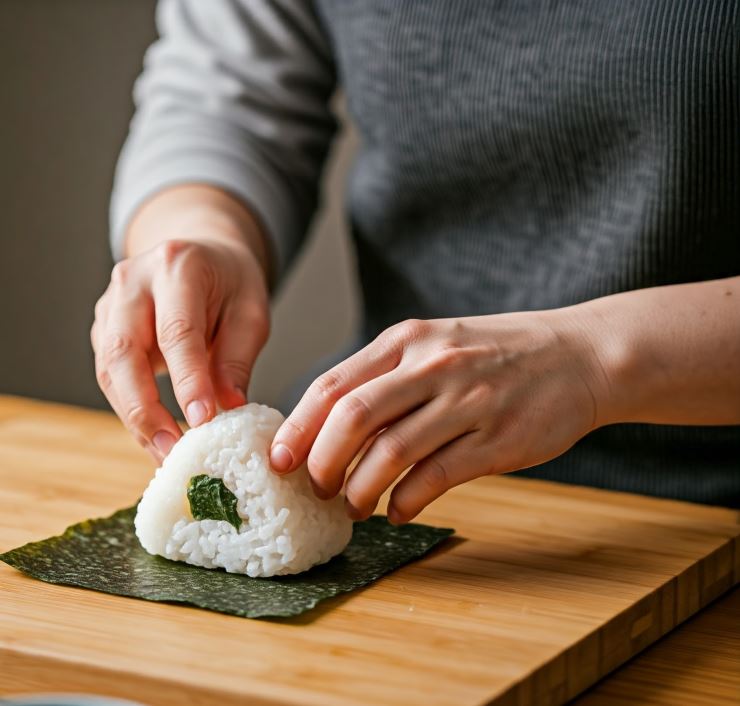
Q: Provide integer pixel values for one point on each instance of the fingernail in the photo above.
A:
(281, 458)
(164, 441)
(196, 413)
(241, 393)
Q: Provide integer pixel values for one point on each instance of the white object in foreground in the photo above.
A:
(284, 528)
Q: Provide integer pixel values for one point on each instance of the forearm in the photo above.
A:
(196, 211)
(667, 355)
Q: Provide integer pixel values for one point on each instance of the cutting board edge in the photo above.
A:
(675, 604)
(69, 675)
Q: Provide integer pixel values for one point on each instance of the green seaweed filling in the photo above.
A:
(210, 499)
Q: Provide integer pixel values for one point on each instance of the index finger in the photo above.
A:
(127, 379)
(296, 435)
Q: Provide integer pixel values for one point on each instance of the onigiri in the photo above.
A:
(216, 503)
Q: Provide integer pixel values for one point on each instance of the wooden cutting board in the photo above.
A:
(545, 589)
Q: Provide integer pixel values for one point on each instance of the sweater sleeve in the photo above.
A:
(234, 94)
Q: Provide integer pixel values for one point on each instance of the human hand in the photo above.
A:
(197, 307)
(454, 398)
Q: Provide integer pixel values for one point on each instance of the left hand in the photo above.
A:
(454, 398)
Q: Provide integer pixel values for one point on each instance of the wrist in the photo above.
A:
(198, 213)
(605, 359)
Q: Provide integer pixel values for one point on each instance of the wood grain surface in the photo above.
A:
(698, 664)
(545, 589)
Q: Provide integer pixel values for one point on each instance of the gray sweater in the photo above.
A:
(516, 155)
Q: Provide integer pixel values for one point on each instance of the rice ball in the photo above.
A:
(268, 525)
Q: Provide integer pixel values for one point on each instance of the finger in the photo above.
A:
(96, 340)
(297, 433)
(180, 314)
(126, 378)
(157, 453)
(358, 416)
(98, 325)
(401, 445)
(136, 401)
(462, 460)
(101, 373)
(241, 335)
(95, 336)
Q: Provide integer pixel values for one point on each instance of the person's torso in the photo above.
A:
(536, 153)
(528, 154)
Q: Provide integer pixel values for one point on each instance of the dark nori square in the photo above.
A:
(105, 555)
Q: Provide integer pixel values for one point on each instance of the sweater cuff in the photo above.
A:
(241, 177)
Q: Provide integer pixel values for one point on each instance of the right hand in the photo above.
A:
(197, 307)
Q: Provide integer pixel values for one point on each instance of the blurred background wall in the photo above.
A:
(67, 69)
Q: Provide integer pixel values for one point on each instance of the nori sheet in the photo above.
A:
(105, 555)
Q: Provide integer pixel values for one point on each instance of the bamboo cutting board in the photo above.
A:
(545, 589)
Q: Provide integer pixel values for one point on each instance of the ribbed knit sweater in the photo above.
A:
(515, 155)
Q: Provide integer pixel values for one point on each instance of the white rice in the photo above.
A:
(285, 528)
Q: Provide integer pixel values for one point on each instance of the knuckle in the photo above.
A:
(328, 386)
(393, 450)
(353, 411)
(121, 272)
(185, 381)
(104, 379)
(411, 329)
(235, 369)
(174, 330)
(296, 427)
(99, 305)
(387, 337)
(116, 347)
(169, 251)
(137, 417)
(172, 252)
(388, 344)
(435, 475)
